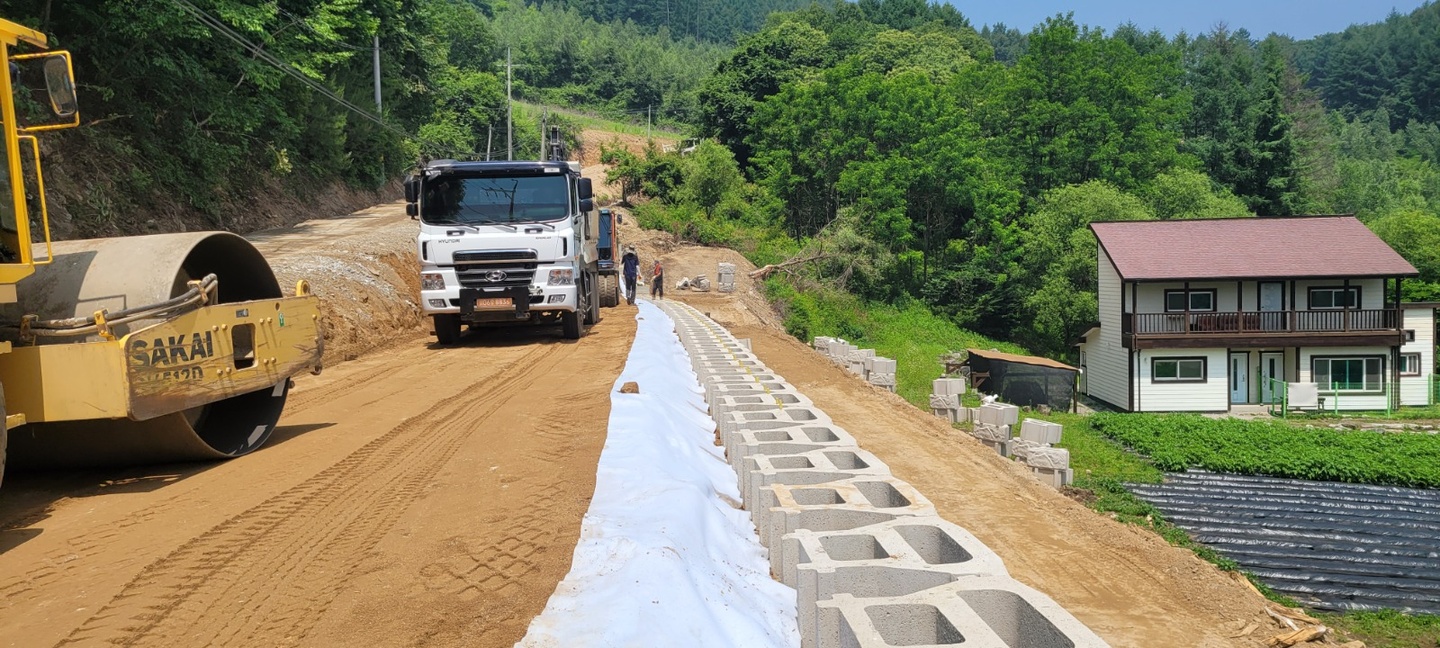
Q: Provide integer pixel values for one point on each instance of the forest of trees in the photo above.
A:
(971, 162)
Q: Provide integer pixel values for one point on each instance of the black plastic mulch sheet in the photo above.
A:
(1329, 545)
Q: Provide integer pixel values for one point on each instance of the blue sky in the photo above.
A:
(1297, 18)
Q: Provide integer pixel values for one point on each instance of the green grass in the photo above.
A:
(1388, 629)
(1180, 441)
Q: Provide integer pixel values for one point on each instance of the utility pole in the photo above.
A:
(544, 117)
(647, 122)
(509, 107)
(489, 134)
(377, 72)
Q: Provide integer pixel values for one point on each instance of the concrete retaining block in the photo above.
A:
(786, 440)
(751, 401)
(895, 558)
(1048, 458)
(813, 467)
(944, 401)
(1020, 448)
(833, 506)
(879, 364)
(990, 611)
(769, 419)
(1039, 431)
(1055, 477)
(955, 386)
(999, 414)
(986, 432)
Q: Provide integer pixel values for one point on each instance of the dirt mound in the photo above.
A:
(364, 268)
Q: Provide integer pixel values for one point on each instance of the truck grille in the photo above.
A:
(495, 268)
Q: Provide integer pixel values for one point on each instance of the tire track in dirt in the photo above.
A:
(266, 576)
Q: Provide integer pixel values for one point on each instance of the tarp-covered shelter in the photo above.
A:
(1023, 380)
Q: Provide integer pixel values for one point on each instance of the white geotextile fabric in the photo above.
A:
(665, 557)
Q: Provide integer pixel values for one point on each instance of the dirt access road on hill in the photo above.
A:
(415, 496)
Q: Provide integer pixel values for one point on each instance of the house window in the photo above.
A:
(1409, 364)
(1199, 300)
(1177, 370)
(1409, 335)
(1326, 298)
(1348, 374)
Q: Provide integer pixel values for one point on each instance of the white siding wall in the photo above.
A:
(1347, 401)
(1107, 363)
(1152, 296)
(1415, 390)
(1210, 396)
(1372, 292)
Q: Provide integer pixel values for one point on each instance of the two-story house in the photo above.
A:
(1204, 315)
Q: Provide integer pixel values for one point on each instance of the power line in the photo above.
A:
(292, 71)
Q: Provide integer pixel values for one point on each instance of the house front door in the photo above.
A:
(1239, 378)
(1272, 306)
(1272, 368)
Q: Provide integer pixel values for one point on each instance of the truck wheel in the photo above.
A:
(447, 328)
(609, 291)
(594, 307)
(570, 325)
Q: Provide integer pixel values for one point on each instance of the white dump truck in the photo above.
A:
(505, 243)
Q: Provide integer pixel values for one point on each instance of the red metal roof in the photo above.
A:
(1248, 248)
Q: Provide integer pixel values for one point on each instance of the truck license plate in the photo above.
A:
(494, 302)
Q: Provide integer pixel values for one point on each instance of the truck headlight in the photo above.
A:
(432, 281)
(564, 277)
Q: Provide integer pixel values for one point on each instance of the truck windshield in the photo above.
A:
(480, 201)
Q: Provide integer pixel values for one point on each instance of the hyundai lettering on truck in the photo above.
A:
(505, 243)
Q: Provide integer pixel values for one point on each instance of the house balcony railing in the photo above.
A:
(1259, 323)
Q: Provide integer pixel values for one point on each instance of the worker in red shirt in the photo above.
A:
(657, 281)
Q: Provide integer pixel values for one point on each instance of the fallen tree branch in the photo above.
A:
(772, 268)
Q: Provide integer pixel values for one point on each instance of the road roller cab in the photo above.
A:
(128, 350)
(505, 243)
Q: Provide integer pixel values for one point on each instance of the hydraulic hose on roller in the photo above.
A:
(125, 273)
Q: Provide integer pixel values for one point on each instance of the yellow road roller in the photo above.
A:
(131, 350)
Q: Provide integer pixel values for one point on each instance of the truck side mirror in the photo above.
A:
(412, 189)
(586, 205)
(584, 188)
(412, 210)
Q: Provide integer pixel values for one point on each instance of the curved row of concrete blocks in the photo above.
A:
(871, 561)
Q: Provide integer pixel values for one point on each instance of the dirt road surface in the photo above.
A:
(417, 496)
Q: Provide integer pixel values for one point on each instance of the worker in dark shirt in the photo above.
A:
(631, 265)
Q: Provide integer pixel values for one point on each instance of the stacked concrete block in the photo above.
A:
(812, 467)
(1041, 432)
(788, 440)
(948, 386)
(873, 564)
(995, 437)
(855, 362)
(998, 414)
(895, 558)
(945, 398)
(771, 418)
(832, 506)
(880, 371)
(1051, 465)
(726, 277)
(991, 611)
(822, 344)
